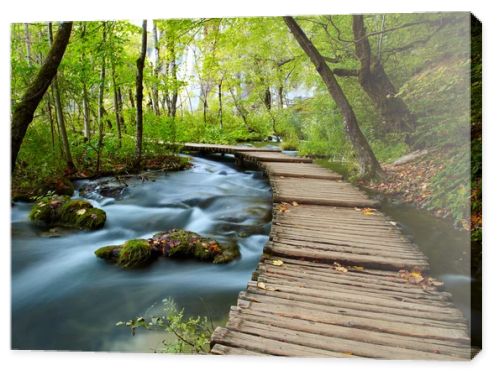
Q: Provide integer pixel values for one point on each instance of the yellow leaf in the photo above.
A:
(261, 285)
(277, 262)
(295, 203)
(368, 211)
(81, 212)
(359, 268)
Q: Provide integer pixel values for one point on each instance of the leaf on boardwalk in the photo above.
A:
(368, 211)
(357, 209)
(277, 262)
(295, 203)
(349, 353)
(283, 207)
(339, 267)
(262, 285)
(357, 268)
(393, 223)
(415, 277)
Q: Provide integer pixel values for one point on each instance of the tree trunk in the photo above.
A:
(100, 100)
(375, 82)
(267, 98)
(175, 90)
(27, 40)
(120, 108)
(86, 113)
(368, 164)
(139, 96)
(156, 71)
(25, 109)
(220, 103)
(131, 98)
(281, 101)
(241, 110)
(116, 105)
(60, 114)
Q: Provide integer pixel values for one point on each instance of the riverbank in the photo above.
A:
(28, 184)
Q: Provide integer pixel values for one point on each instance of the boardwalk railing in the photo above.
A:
(337, 277)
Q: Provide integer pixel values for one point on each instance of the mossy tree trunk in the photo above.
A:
(368, 164)
(24, 110)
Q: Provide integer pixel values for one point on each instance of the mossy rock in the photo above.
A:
(229, 253)
(188, 244)
(109, 253)
(47, 210)
(134, 253)
(62, 211)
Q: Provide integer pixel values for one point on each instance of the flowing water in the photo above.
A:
(63, 297)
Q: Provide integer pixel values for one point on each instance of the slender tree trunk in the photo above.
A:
(139, 96)
(25, 109)
(281, 101)
(60, 114)
(175, 90)
(241, 110)
(120, 108)
(86, 113)
(368, 164)
(116, 105)
(267, 98)
(375, 82)
(100, 104)
(27, 39)
(51, 122)
(156, 71)
(220, 103)
(131, 98)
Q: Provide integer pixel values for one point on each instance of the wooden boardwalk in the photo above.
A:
(337, 277)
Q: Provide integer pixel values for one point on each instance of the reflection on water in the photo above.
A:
(63, 297)
(449, 253)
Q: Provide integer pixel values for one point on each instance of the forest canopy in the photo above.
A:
(405, 77)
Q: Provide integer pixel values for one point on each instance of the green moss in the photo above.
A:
(229, 253)
(188, 244)
(47, 209)
(109, 253)
(62, 211)
(135, 253)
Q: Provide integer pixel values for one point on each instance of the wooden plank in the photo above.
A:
(368, 261)
(346, 346)
(360, 336)
(303, 170)
(219, 349)
(228, 337)
(266, 156)
(291, 311)
(307, 191)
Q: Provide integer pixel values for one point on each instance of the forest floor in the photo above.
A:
(412, 182)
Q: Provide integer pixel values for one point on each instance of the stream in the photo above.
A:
(64, 298)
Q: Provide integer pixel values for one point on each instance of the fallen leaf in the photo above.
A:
(393, 223)
(339, 268)
(81, 212)
(277, 262)
(359, 268)
(357, 209)
(368, 211)
(261, 285)
(295, 203)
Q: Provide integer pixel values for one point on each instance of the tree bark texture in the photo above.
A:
(25, 109)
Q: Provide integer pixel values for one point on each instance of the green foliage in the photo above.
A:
(184, 334)
(134, 253)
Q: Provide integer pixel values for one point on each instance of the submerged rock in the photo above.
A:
(63, 211)
(175, 243)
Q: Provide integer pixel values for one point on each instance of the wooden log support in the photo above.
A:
(333, 279)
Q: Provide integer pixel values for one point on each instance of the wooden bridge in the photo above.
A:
(337, 277)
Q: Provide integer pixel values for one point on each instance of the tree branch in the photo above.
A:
(342, 72)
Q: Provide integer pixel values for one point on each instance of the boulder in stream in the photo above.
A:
(63, 211)
(175, 243)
